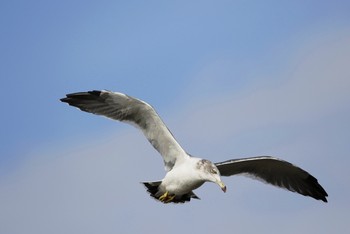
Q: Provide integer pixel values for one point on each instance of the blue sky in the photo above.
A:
(230, 78)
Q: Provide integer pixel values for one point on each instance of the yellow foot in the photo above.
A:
(163, 197)
(166, 197)
(170, 198)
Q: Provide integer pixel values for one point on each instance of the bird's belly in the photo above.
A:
(179, 186)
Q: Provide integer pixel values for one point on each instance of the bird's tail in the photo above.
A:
(153, 190)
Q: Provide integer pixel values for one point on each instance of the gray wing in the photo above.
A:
(124, 108)
(276, 172)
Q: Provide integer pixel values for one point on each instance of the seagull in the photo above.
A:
(186, 173)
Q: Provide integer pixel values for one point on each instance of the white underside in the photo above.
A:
(182, 179)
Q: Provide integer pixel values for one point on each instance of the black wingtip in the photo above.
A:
(324, 197)
(64, 99)
(80, 95)
(318, 192)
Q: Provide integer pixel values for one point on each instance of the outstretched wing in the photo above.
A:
(276, 172)
(124, 108)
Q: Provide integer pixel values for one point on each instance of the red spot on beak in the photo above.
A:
(223, 189)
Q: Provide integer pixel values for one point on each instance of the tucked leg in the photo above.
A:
(169, 198)
(163, 197)
(166, 197)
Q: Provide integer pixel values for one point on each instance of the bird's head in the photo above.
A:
(210, 173)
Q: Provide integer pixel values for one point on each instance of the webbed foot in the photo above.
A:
(166, 197)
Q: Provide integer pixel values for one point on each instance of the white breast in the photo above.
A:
(182, 178)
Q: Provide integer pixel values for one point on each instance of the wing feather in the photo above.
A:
(276, 172)
(121, 107)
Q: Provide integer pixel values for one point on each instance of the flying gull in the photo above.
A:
(184, 172)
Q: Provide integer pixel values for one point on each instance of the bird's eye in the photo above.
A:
(214, 171)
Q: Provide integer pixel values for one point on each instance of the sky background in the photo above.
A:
(230, 78)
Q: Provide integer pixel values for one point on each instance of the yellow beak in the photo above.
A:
(222, 186)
